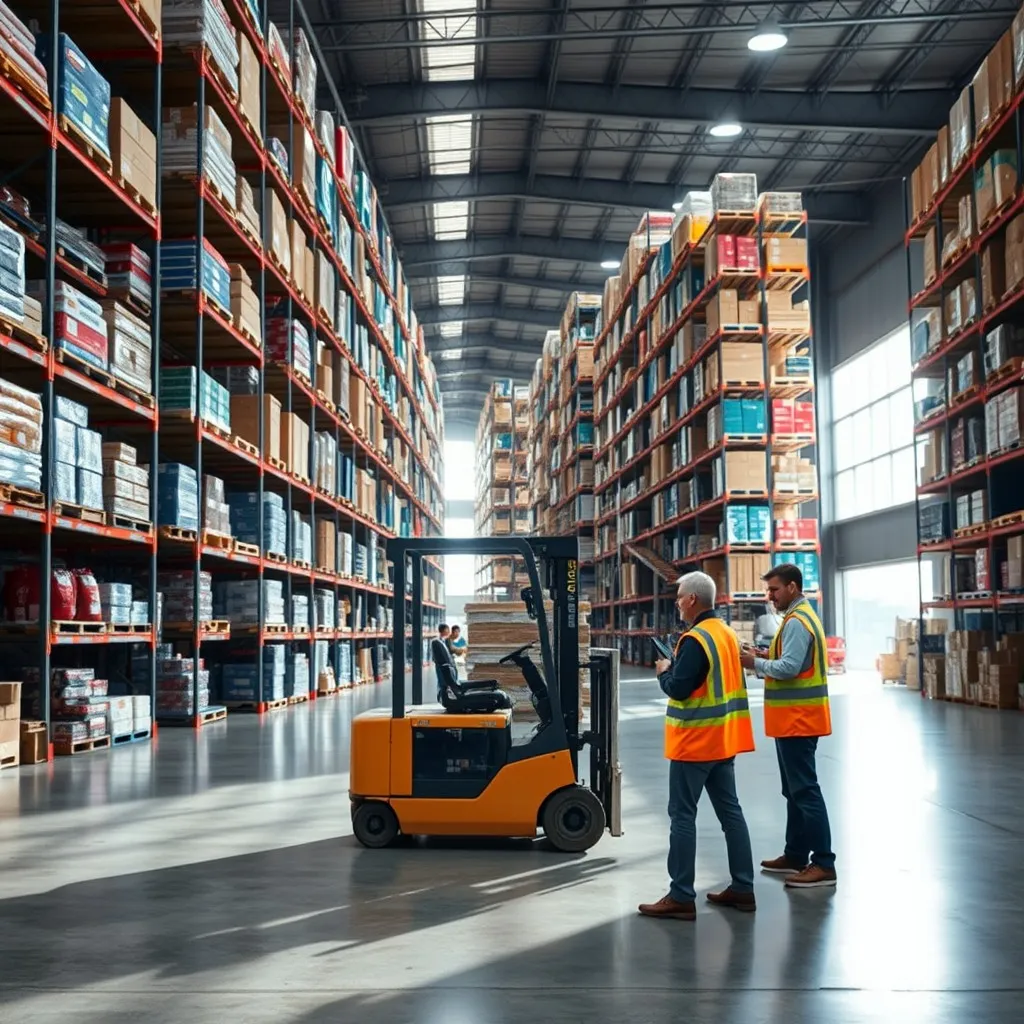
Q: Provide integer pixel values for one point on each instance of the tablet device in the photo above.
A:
(662, 648)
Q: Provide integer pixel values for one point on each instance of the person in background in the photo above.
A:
(707, 725)
(457, 643)
(796, 714)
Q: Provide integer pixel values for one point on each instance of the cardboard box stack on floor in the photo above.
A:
(984, 670)
(10, 725)
(497, 627)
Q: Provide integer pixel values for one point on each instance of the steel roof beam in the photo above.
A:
(409, 192)
(434, 316)
(917, 114)
(486, 341)
(551, 286)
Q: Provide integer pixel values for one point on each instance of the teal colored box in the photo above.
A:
(736, 524)
(755, 416)
(759, 524)
(732, 416)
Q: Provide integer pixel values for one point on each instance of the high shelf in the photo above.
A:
(296, 421)
(704, 414)
(965, 264)
(561, 443)
(502, 493)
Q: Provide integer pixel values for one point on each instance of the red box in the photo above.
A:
(803, 418)
(725, 253)
(746, 253)
(783, 418)
(981, 580)
(88, 341)
(343, 156)
(806, 529)
(786, 529)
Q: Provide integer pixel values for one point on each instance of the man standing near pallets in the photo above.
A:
(796, 714)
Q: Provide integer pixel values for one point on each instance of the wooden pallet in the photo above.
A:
(144, 201)
(1012, 519)
(728, 385)
(970, 531)
(328, 404)
(1005, 450)
(746, 492)
(133, 737)
(29, 87)
(67, 748)
(1011, 368)
(144, 16)
(242, 548)
(68, 127)
(178, 534)
(301, 563)
(276, 628)
(22, 334)
(222, 541)
(213, 713)
(211, 627)
(792, 440)
(245, 446)
(277, 463)
(123, 629)
(11, 761)
(244, 331)
(128, 523)
(11, 495)
(229, 90)
(744, 438)
(320, 694)
(253, 129)
(86, 515)
(965, 396)
(275, 556)
(252, 705)
(796, 545)
(299, 698)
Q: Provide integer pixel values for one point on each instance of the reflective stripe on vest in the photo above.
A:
(713, 723)
(799, 706)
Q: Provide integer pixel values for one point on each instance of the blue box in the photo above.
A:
(755, 416)
(83, 94)
(732, 416)
(759, 524)
(736, 524)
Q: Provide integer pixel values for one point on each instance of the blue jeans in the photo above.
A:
(807, 830)
(686, 781)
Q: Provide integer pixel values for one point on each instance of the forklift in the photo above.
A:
(462, 766)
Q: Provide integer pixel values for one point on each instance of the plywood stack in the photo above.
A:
(496, 628)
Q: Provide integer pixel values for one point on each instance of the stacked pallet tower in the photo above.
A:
(965, 261)
(502, 488)
(561, 444)
(704, 412)
(211, 514)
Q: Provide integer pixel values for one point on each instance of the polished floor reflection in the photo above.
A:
(213, 877)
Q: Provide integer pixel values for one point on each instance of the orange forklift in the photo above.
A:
(463, 766)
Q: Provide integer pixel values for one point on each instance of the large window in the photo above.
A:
(459, 570)
(459, 470)
(873, 414)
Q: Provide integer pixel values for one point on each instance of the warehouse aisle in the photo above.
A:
(214, 878)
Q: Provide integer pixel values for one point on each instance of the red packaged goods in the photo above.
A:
(85, 341)
(783, 417)
(803, 417)
(725, 253)
(746, 253)
(63, 596)
(806, 529)
(343, 153)
(786, 529)
(87, 597)
(21, 594)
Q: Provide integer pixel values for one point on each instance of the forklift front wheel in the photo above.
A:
(573, 820)
(375, 824)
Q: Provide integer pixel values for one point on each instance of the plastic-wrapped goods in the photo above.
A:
(12, 274)
(74, 241)
(178, 391)
(87, 597)
(131, 346)
(244, 506)
(90, 489)
(239, 380)
(304, 161)
(278, 152)
(279, 55)
(300, 611)
(288, 342)
(18, 45)
(190, 22)
(126, 488)
(140, 613)
(326, 287)
(245, 204)
(176, 679)
(240, 682)
(216, 512)
(116, 603)
(181, 148)
(302, 539)
(780, 202)
(177, 590)
(89, 449)
(734, 192)
(343, 156)
(305, 73)
(177, 496)
(21, 417)
(696, 210)
(79, 327)
(129, 274)
(83, 94)
(297, 682)
(238, 601)
(178, 271)
(325, 129)
(327, 198)
(255, 11)
(324, 609)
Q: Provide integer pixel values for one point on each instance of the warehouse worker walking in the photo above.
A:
(707, 725)
(796, 714)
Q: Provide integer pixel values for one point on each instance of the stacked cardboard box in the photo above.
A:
(248, 82)
(245, 411)
(245, 205)
(129, 274)
(177, 496)
(133, 151)
(204, 22)
(181, 130)
(178, 392)
(79, 327)
(21, 436)
(130, 346)
(83, 94)
(125, 483)
(179, 271)
(245, 304)
(10, 724)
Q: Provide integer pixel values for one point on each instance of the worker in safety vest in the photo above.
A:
(707, 725)
(796, 713)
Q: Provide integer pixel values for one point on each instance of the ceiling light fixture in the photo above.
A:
(767, 39)
(610, 264)
(726, 130)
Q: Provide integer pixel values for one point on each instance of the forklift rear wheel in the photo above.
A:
(375, 824)
(573, 820)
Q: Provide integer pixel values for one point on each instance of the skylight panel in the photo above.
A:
(451, 291)
(451, 221)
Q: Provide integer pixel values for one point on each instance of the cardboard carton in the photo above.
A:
(245, 422)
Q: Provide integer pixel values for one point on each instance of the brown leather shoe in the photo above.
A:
(668, 907)
(812, 877)
(782, 866)
(730, 898)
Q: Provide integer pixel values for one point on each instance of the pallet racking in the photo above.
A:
(964, 208)
(367, 389)
(702, 459)
(502, 498)
(562, 432)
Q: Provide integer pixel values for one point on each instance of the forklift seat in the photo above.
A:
(472, 697)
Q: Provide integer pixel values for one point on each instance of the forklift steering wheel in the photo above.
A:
(512, 655)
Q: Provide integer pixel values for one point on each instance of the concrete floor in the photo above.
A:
(213, 877)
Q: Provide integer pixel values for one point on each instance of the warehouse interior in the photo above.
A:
(704, 286)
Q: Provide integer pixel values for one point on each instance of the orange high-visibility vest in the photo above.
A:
(799, 707)
(713, 723)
